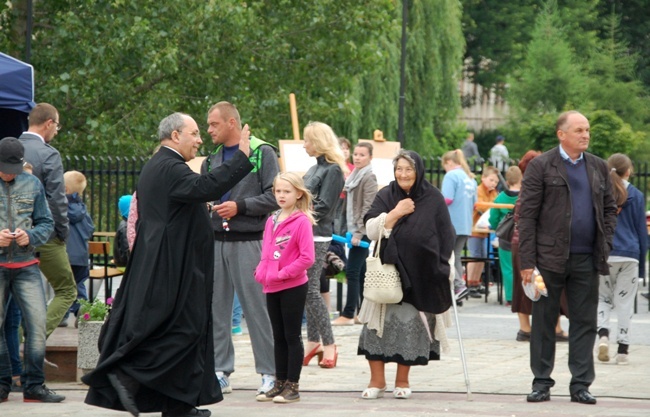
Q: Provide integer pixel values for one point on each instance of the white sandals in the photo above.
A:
(402, 393)
(373, 393)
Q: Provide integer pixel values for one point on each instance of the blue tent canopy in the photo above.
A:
(16, 84)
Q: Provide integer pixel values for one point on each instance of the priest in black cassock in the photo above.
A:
(156, 347)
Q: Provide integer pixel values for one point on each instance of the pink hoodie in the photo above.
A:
(287, 253)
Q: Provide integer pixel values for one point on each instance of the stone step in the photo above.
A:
(61, 349)
(65, 358)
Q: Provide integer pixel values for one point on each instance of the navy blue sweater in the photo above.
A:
(583, 222)
(631, 235)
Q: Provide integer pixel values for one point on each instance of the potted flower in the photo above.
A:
(91, 319)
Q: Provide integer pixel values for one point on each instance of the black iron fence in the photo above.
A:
(111, 177)
(435, 172)
(108, 178)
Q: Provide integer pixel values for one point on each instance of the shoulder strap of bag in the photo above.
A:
(382, 229)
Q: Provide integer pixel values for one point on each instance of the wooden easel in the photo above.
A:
(294, 158)
(292, 154)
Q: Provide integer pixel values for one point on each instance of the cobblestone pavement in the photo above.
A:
(498, 369)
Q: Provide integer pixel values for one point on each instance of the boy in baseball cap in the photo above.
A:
(20, 231)
(12, 155)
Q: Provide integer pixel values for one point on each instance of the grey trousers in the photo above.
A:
(319, 328)
(234, 265)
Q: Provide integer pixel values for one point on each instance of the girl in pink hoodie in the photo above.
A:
(287, 253)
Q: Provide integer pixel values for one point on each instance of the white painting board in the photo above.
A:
(383, 169)
(294, 158)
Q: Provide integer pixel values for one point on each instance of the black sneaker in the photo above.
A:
(290, 394)
(4, 394)
(272, 393)
(461, 292)
(474, 293)
(193, 412)
(41, 394)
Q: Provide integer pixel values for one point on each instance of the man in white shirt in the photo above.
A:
(499, 156)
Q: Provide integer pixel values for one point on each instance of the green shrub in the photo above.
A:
(94, 311)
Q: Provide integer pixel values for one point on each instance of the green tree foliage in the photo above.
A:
(551, 78)
(534, 133)
(610, 134)
(579, 18)
(604, 87)
(377, 89)
(114, 68)
(434, 54)
(635, 30)
(612, 83)
(496, 33)
(576, 57)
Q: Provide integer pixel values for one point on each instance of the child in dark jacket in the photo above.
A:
(121, 251)
(81, 231)
(287, 254)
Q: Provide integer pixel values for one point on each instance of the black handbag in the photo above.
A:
(506, 229)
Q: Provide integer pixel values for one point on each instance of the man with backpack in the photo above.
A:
(238, 220)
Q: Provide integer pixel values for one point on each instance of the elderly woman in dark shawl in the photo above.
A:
(411, 218)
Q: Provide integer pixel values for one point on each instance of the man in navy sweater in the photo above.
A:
(566, 225)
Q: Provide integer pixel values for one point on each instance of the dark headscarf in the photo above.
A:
(420, 243)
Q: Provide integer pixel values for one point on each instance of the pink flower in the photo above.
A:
(109, 301)
(86, 316)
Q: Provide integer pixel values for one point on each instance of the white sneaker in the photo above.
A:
(268, 382)
(224, 382)
(603, 349)
(461, 292)
(621, 359)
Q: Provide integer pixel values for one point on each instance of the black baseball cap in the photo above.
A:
(12, 156)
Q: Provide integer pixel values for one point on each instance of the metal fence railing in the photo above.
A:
(110, 177)
(435, 172)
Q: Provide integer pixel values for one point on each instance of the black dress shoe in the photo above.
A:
(537, 396)
(523, 336)
(193, 412)
(117, 380)
(583, 397)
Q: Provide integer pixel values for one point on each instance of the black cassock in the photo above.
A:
(160, 328)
